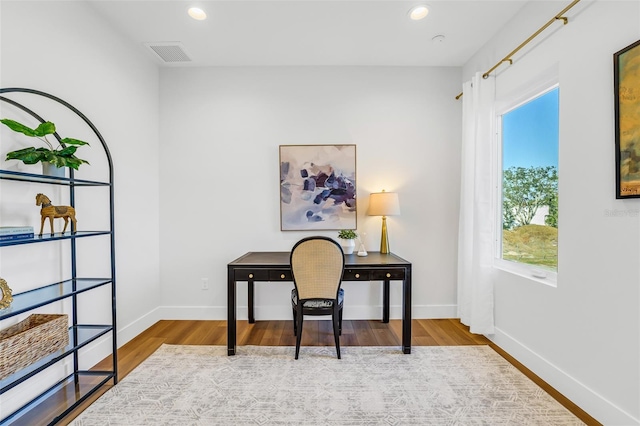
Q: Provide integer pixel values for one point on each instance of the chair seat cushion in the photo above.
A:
(317, 303)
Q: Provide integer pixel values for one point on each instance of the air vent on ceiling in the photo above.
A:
(169, 52)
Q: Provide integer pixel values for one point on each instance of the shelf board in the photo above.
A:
(86, 335)
(42, 411)
(31, 177)
(24, 302)
(47, 237)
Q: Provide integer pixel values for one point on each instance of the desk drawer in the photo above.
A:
(251, 274)
(391, 274)
(355, 275)
(280, 275)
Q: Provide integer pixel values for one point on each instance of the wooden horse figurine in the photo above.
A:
(50, 211)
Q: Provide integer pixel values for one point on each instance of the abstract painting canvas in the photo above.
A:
(317, 187)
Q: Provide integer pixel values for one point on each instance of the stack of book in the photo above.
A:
(11, 233)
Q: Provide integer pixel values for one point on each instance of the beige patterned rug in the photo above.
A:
(264, 385)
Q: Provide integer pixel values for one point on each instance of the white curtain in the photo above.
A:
(477, 210)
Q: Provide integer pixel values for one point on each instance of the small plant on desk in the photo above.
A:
(347, 234)
(348, 237)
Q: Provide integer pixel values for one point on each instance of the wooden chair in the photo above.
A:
(317, 265)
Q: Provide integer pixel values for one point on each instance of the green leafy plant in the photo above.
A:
(61, 156)
(347, 234)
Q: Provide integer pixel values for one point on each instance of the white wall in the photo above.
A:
(582, 336)
(220, 132)
(65, 49)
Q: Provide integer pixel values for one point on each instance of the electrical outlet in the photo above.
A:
(205, 284)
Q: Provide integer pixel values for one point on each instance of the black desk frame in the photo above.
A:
(274, 266)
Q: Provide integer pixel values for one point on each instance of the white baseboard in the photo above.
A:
(594, 404)
(195, 312)
(136, 327)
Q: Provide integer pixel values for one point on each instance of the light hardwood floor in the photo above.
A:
(433, 332)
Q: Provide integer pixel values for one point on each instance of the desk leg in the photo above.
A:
(406, 312)
(250, 294)
(231, 313)
(385, 301)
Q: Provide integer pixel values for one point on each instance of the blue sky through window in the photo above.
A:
(530, 133)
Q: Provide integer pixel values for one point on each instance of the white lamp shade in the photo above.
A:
(384, 204)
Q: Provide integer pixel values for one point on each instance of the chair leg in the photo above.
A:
(336, 330)
(340, 320)
(295, 327)
(299, 319)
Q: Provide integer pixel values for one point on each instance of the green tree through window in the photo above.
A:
(525, 191)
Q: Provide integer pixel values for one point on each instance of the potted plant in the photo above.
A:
(61, 156)
(347, 236)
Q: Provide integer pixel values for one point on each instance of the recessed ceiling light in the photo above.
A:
(197, 13)
(418, 12)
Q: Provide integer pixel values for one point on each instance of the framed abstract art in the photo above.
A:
(317, 187)
(626, 76)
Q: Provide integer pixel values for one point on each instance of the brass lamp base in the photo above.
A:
(384, 239)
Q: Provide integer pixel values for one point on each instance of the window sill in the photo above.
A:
(529, 272)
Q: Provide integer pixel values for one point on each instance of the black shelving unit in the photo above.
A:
(83, 382)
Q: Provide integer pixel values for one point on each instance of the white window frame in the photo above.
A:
(503, 106)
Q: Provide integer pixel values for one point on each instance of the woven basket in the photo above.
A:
(26, 342)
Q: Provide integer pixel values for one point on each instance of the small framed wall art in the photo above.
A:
(317, 187)
(626, 76)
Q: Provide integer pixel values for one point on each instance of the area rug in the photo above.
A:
(264, 385)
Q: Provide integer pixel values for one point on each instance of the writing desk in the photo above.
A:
(274, 266)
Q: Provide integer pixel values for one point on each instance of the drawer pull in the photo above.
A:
(282, 276)
(250, 275)
(357, 275)
(388, 275)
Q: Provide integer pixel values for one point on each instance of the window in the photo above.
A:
(528, 136)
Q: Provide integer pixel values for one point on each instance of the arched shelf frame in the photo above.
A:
(76, 288)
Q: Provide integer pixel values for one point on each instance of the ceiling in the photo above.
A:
(310, 33)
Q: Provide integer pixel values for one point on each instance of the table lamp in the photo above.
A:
(384, 204)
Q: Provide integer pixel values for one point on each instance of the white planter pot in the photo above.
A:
(347, 246)
(49, 169)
